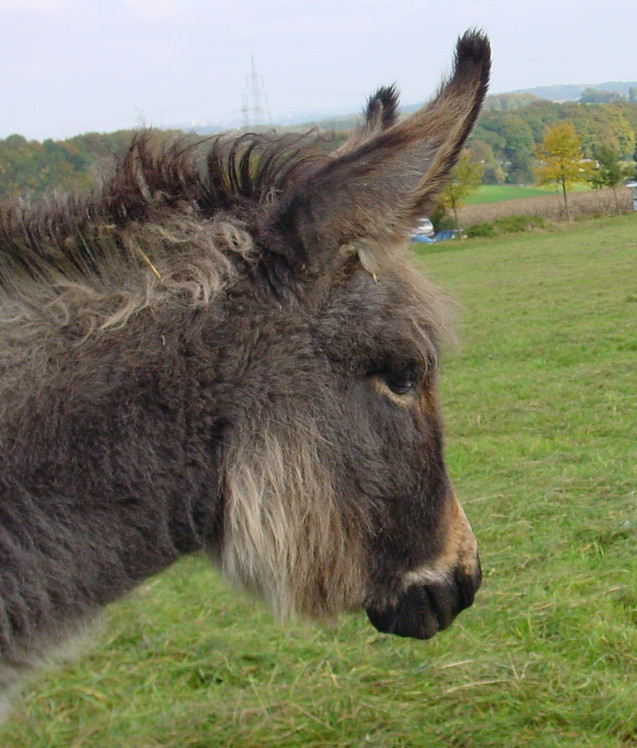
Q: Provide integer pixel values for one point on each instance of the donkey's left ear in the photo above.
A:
(369, 195)
(380, 114)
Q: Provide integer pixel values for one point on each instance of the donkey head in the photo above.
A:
(335, 490)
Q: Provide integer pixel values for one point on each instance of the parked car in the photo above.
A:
(423, 230)
(442, 236)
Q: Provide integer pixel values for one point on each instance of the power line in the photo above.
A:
(255, 100)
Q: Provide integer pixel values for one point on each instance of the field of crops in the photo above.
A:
(540, 404)
(582, 204)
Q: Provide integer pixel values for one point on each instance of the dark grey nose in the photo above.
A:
(423, 610)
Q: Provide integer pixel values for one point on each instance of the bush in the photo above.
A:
(481, 229)
(512, 224)
(507, 225)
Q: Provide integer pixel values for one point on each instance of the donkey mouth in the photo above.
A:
(423, 610)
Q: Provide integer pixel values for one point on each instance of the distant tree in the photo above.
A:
(21, 164)
(632, 94)
(623, 139)
(509, 101)
(560, 157)
(31, 166)
(599, 96)
(482, 153)
(518, 148)
(609, 172)
(465, 179)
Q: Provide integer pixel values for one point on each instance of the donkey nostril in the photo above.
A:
(424, 609)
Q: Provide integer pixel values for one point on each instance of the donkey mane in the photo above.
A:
(169, 210)
(158, 174)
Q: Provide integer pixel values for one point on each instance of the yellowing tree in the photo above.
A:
(465, 179)
(560, 156)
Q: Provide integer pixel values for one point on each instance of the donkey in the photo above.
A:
(224, 348)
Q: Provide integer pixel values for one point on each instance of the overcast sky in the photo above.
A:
(73, 66)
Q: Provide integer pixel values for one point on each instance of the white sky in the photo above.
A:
(72, 66)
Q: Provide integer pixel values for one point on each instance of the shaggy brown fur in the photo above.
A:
(225, 348)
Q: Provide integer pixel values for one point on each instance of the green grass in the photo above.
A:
(540, 406)
(495, 193)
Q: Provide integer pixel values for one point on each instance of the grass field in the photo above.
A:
(495, 193)
(540, 403)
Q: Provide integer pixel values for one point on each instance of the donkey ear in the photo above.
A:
(369, 195)
(380, 114)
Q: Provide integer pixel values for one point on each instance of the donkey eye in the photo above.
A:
(402, 381)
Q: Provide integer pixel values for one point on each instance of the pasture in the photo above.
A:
(539, 400)
(495, 193)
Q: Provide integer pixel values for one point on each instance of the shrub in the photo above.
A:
(507, 225)
(481, 229)
(511, 224)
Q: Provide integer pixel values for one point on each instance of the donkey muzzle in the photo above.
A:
(425, 609)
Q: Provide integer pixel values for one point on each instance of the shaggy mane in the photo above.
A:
(158, 183)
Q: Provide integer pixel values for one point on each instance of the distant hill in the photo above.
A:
(342, 119)
(572, 92)
(339, 121)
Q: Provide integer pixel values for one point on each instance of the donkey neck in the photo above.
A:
(107, 445)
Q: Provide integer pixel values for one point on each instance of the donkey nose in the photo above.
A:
(468, 584)
(425, 609)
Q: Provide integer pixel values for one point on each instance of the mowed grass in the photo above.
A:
(495, 193)
(540, 405)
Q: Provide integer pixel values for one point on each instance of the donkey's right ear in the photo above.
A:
(367, 197)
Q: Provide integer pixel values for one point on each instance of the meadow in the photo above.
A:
(494, 193)
(540, 397)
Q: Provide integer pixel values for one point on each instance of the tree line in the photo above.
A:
(505, 143)
(34, 166)
(559, 163)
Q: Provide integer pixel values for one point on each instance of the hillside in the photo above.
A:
(572, 92)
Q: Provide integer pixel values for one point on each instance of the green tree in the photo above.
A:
(465, 179)
(482, 153)
(518, 148)
(598, 96)
(560, 157)
(609, 172)
(624, 133)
